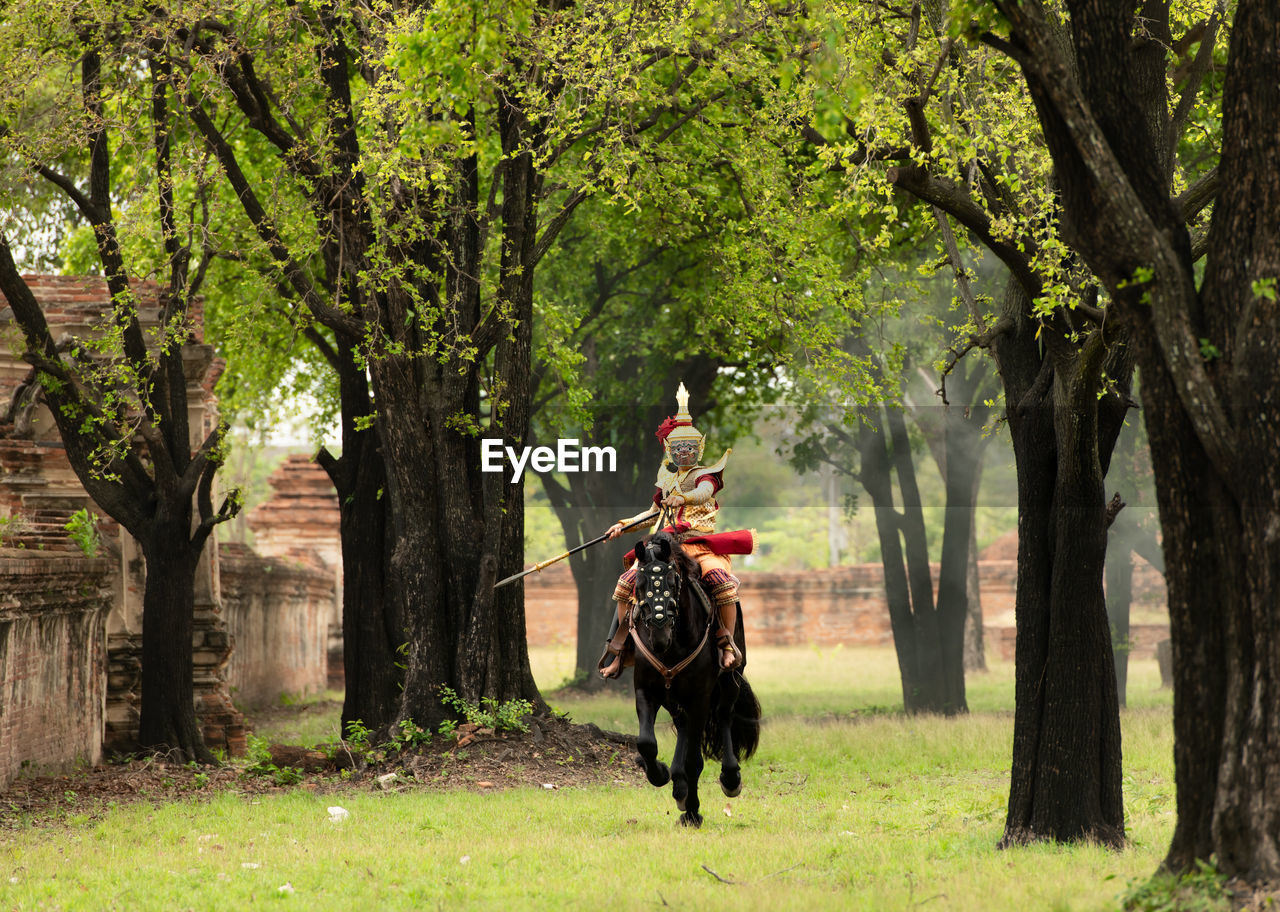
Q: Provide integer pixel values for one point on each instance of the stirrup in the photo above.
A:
(607, 659)
(725, 643)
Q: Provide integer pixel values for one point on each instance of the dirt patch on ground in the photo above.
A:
(553, 754)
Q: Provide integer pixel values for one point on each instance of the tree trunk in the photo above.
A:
(1220, 492)
(371, 632)
(963, 471)
(1123, 540)
(168, 714)
(1119, 574)
(975, 650)
(932, 671)
(1192, 500)
(930, 652)
(493, 655)
(956, 439)
(372, 629)
(425, 568)
(457, 531)
(878, 483)
(1065, 774)
(1209, 381)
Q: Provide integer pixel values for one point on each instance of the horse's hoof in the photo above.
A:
(659, 776)
(691, 819)
(680, 803)
(733, 792)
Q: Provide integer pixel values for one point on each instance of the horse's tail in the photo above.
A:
(744, 722)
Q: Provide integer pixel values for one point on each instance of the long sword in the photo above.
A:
(642, 521)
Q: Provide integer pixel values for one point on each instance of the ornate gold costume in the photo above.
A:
(686, 505)
(698, 486)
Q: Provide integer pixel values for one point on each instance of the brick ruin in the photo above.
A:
(299, 526)
(70, 625)
(842, 605)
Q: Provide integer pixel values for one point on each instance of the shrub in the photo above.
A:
(489, 713)
(83, 529)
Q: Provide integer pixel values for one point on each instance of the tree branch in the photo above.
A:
(1194, 79)
(293, 272)
(1192, 201)
(956, 202)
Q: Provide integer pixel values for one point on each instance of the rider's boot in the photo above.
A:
(730, 655)
(616, 648)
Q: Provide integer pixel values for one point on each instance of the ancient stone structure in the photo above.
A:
(53, 609)
(834, 605)
(300, 525)
(71, 625)
(278, 615)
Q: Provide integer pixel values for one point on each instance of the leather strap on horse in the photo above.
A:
(668, 674)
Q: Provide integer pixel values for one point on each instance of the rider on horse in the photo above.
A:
(685, 495)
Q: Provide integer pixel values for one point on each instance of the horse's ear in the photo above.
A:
(642, 552)
(662, 549)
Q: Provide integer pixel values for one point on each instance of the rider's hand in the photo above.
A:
(673, 500)
(614, 531)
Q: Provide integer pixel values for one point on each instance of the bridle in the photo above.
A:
(655, 580)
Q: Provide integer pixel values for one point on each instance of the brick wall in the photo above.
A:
(301, 524)
(825, 607)
(52, 660)
(277, 613)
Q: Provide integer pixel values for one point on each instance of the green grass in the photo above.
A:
(846, 806)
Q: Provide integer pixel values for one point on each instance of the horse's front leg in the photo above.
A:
(686, 768)
(647, 743)
(730, 772)
(679, 778)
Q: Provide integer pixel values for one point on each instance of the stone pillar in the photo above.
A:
(302, 523)
(39, 485)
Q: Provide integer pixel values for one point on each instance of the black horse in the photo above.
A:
(677, 667)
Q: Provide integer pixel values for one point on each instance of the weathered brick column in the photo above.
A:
(53, 606)
(38, 486)
(301, 524)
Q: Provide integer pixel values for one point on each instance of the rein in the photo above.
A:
(668, 674)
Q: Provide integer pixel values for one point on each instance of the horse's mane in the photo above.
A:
(686, 564)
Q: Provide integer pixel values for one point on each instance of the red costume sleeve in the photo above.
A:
(717, 482)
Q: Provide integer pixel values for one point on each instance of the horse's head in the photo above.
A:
(659, 585)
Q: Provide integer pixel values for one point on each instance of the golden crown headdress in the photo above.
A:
(680, 426)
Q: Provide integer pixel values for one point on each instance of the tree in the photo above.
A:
(435, 156)
(1207, 355)
(651, 311)
(928, 630)
(119, 399)
(950, 128)
(1132, 533)
(957, 437)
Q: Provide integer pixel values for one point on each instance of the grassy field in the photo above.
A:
(847, 805)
